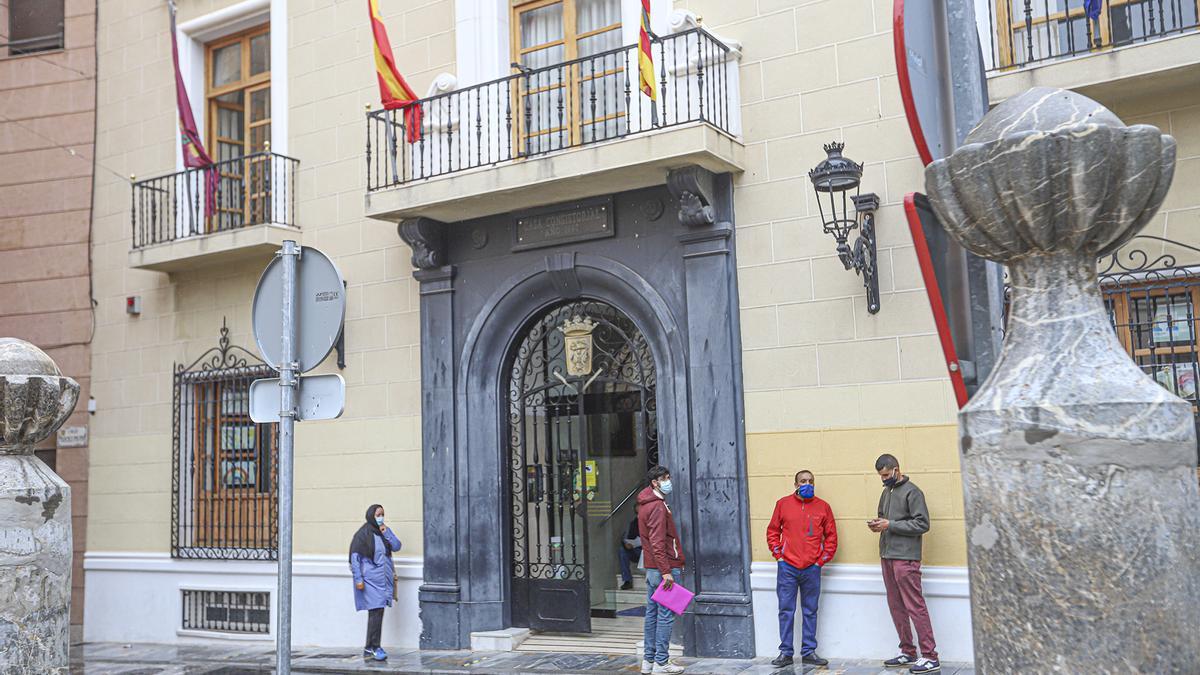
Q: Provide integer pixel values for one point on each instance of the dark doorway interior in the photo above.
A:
(582, 429)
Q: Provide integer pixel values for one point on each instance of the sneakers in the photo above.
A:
(627, 586)
(925, 666)
(811, 659)
(368, 653)
(902, 661)
(782, 661)
(647, 667)
(667, 669)
(380, 655)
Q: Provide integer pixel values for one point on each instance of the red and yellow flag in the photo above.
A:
(645, 61)
(393, 90)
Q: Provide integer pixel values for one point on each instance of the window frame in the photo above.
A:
(251, 202)
(60, 46)
(572, 82)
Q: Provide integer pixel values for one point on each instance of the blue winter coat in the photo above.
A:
(377, 575)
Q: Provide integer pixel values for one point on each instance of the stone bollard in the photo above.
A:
(35, 514)
(1083, 515)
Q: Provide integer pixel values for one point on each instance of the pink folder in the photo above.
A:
(676, 599)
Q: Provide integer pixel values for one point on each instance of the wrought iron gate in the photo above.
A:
(576, 363)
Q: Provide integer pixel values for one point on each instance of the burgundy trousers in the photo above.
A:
(902, 579)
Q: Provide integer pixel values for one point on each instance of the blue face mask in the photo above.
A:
(664, 487)
(806, 491)
(379, 520)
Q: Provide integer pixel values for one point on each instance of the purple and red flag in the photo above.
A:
(194, 154)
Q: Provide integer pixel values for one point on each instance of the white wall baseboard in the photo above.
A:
(853, 621)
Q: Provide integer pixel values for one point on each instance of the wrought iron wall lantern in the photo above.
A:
(836, 181)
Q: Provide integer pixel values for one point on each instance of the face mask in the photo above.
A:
(378, 520)
(806, 491)
(664, 487)
(889, 482)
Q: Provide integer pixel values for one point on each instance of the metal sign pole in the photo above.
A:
(287, 423)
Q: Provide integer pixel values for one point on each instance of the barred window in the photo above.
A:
(1157, 323)
(34, 26)
(227, 611)
(225, 464)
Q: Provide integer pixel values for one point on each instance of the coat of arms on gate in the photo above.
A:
(577, 333)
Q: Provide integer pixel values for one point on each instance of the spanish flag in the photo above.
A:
(645, 61)
(393, 90)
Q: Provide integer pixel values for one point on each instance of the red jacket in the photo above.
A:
(802, 531)
(660, 539)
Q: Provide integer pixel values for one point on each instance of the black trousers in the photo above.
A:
(374, 627)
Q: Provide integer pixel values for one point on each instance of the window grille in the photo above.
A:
(227, 611)
(34, 26)
(224, 475)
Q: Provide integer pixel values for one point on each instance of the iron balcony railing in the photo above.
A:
(1026, 32)
(249, 190)
(587, 100)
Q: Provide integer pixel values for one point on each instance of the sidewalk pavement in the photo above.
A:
(107, 658)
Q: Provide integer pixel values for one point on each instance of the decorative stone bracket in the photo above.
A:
(693, 187)
(427, 237)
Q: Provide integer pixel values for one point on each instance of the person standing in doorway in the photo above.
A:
(802, 535)
(903, 519)
(374, 575)
(664, 561)
(630, 551)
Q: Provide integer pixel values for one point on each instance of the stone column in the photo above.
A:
(35, 514)
(1083, 515)
(721, 623)
(441, 592)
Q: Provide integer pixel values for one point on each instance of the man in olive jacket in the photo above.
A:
(903, 518)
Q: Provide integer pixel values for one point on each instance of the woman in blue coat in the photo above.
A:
(374, 575)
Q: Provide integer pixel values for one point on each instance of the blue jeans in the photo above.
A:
(626, 556)
(659, 620)
(787, 580)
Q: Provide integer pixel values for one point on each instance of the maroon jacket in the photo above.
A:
(660, 539)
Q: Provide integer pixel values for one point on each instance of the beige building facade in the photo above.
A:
(47, 127)
(180, 483)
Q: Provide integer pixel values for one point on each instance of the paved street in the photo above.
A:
(151, 659)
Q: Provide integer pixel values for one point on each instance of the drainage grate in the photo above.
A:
(227, 611)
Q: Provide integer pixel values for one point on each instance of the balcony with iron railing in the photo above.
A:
(565, 131)
(1093, 46)
(233, 210)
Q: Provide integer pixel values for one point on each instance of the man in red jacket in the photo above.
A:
(663, 557)
(802, 536)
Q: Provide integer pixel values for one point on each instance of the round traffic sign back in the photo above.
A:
(319, 308)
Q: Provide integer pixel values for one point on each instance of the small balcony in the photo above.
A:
(569, 130)
(1060, 43)
(233, 210)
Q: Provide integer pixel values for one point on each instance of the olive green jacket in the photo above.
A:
(903, 505)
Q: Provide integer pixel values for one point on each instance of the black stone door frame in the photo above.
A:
(692, 329)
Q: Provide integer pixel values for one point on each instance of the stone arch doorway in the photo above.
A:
(669, 267)
(582, 428)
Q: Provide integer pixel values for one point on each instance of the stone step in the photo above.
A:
(634, 597)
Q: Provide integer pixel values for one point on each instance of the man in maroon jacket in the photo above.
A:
(802, 536)
(664, 561)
